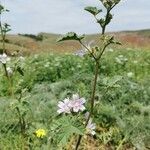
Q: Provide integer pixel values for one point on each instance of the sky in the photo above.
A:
(61, 16)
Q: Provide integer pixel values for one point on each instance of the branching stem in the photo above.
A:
(87, 50)
(97, 64)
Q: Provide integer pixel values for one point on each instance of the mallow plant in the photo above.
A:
(4, 28)
(76, 107)
(11, 68)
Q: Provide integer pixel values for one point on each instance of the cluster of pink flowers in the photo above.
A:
(75, 104)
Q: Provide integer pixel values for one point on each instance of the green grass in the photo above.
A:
(122, 112)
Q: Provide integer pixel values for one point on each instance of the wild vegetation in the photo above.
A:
(49, 101)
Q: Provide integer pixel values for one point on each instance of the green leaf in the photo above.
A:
(1, 8)
(115, 79)
(66, 127)
(104, 22)
(107, 3)
(101, 22)
(70, 36)
(112, 82)
(93, 10)
(110, 16)
(20, 70)
(25, 103)
(113, 41)
(68, 131)
(117, 1)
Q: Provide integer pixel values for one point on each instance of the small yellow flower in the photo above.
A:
(40, 133)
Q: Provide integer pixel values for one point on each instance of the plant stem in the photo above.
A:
(3, 35)
(121, 143)
(88, 50)
(5, 69)
(21, 122)
(78, 142)
(94, 87)
(92, 101)
(97, 61)
(106, 18)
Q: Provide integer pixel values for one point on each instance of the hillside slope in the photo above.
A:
(29, 45)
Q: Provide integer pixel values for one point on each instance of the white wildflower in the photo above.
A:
(4, 58)
(9, 71)
(121, 59)
(130, 74)
(21, 58)
(47, 65)
(118, 60)
(135, 61)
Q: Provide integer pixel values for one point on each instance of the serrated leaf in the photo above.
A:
(114, 80)
(68, 131)
(101, 22)
(67, 126)
(107, 3)
(70, 36)
(93, 10)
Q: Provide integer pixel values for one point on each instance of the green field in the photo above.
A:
(122, 105)
(73, 91)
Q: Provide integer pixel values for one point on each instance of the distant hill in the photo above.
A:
(46, 42)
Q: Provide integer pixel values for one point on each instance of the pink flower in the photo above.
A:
(64, 106)
(90, 128)
(77, 104)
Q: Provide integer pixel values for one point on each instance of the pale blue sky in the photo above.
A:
(61, 16)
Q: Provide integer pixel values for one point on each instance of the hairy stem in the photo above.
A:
(5, 69)
(97, 61)
(104, 27)
(106, 18)
(94, 87)
(88, 50)
(21, 122)
(92, 101)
